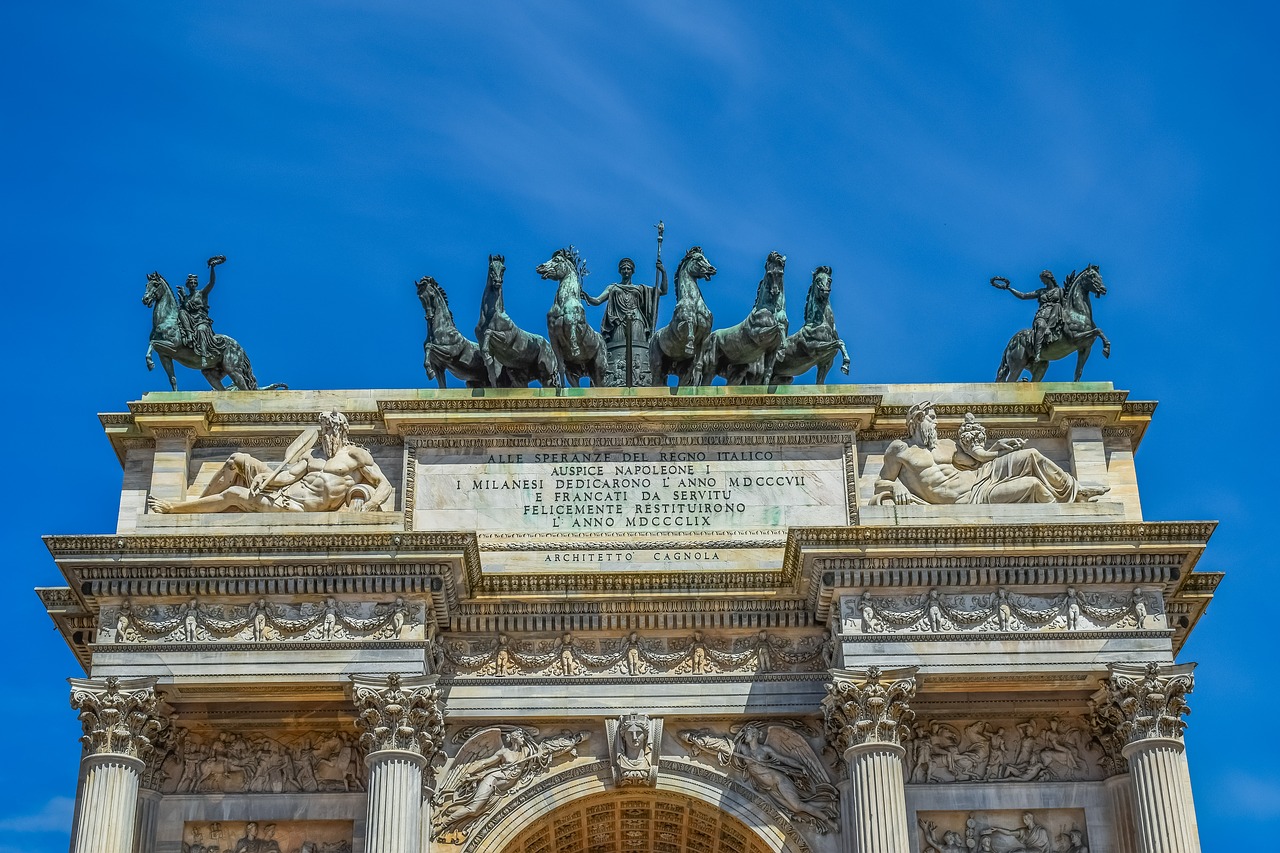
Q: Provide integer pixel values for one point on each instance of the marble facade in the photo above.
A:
(632, 621)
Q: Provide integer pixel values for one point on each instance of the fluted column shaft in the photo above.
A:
(108, 804)
(1122, 804)
(394, 822)
(875, 803)
(866, 718)
(1161, 784)
(148, 806)
(402, 724)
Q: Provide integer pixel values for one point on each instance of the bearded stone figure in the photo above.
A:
(926, 469)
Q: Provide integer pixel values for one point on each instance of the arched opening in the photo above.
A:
(637, 821)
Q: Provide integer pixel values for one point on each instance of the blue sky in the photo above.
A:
(335, 152)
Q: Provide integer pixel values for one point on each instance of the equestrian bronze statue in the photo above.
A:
(744, 354)
(182, 331)
(1063, 324)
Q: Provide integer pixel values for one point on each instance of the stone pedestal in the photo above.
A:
(402, 721)
(866, 719)
(121, 720)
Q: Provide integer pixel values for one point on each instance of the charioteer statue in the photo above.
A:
(630, 316)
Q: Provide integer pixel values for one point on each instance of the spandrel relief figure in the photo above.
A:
(346, 478)
(779, 763)
(630, 315)
(489, 765)
(1063, 324)
(926, 469)
(182, 331)
(817, 342)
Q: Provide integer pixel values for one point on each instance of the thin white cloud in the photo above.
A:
(1251, 796)
(54, 817)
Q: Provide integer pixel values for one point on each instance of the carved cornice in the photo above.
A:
(398, 542)
(861, 708)
(682, 400)
(400, 714)
(119, 717)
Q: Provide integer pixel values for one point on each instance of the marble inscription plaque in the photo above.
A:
(267, 836)
(685, 485)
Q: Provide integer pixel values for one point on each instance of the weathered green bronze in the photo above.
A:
(1063, 324)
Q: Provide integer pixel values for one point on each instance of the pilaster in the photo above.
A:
(402, 725)
(121, 720)
(867, 717)
(1139, 710)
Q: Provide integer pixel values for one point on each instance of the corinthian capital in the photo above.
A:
(119, 717)
(1136, 703)
(868, 706)
(394, 713)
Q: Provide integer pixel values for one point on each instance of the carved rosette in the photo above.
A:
(399, 714)
(119, 716)
(868, 706)
(1140, 703)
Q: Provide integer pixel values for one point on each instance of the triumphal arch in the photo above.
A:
(612, 620)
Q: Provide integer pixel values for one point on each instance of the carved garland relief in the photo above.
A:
(936, 612)
(631, 655)
(262, 621)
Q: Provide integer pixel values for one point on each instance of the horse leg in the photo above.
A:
(1106, 344)
(151, 365)
(490, 363)
(1038, 369)
(213, 376)
(1082, 355)
(823, 367)
(167, 363)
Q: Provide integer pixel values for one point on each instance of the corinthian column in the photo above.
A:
(402, 725)
(1138, 712)
(866, 719)
(121, 720)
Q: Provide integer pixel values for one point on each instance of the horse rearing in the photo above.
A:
(1075, 333)
(512, 356)
(579, 349)
(744, 354)
(445, 348)
(817, 342)
(166, 342)
(676, 346)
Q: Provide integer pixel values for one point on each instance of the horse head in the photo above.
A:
(561, 264)
(434, 300)
(770, 293)
(156, 286)
(815, 306)
(695, 265)
(1091, 280)
(497, 268)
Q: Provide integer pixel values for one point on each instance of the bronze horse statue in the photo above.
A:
(817, 342)
(512, 357)
(1074, 332)
(167, 342)
(676, 347)
(447, 349)
(744, 354)
(579, 349)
